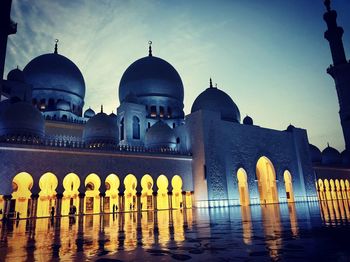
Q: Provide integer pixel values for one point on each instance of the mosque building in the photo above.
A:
(57, 154)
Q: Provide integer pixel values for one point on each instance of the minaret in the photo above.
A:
(340, 69)
(7, 27)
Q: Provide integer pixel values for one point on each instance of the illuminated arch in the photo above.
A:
(266, 176)
(332, 189)
(162, 193)
(71, 184)
(347, 189)
(22, 184)
(321, 190)
(92, 194)
(288, 182)
(147, 192)
(243, 187)
(112, 193)
(338, 189)
(48, 183)
(176, 183)
(327, 189)
(130, 183)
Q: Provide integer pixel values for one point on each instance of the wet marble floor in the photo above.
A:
(286, 232)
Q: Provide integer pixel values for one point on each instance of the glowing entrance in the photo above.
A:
(266, 176)
(321, 193)
(176, 183)
(146, 194)
(289, 186)
(162, 194)
(22, 184)
(112, 193)
(70, 200)
(47, 196)
(130, 183)
(92, 194)
(243, 187)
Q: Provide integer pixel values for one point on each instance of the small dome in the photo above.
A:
(330, 156)
(101, 129)
(290, 128)
(213, 99)
(63, 105)
(160, 135)
(21, 119)
(54, 73)
(151, 76)
(16, 75)
(248, 121)
(89, 113)
(315, 153)
(345, 158)
(113, 116)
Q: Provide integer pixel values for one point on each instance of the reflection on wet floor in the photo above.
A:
(268, 231)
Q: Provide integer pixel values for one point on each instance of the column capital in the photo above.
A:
(183, 192)
(33, 196)
(7, 197)
(155, 193)
(121, 194)
(59, 195)
(81, 195)
(138, 194)
(102, 194)
(170, 193)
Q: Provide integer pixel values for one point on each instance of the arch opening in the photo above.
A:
(289, 186)
(243, 187)
(111, 202)
(92, 194)
(147, 192)
(162, 193)
(20, 203)
(70, 200)
(176, 183)
(130, 183)
(48, 183)
(266, 176)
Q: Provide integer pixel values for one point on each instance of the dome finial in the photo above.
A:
(327, 3)
(210, 83)
(101, 108)
(149, 48)
(56, 42)
(327, 144)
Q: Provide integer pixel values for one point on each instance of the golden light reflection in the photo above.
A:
(147, 224)
(247, 224)
(163, 227)
(289, 186)
(272, 227)
(178, 222)
(335, 211)
(293, 219)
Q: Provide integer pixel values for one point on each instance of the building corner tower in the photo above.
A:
(7, 27)
(340, 69)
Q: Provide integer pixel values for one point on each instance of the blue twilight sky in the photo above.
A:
(269, 56)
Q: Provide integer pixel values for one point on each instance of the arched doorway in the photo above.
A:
(243, 187)
(289, 186)
(343, 189)
(47, 195)
(22, 184)
(92, 194)
(347, 188)
(147, 192)
(112, 193)
(338, 189)
(130, 183)
(162, 193)
(266, 176)
(71, 184)
(176, 183)
(332, 189)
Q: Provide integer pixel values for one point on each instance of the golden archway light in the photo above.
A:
(71, 184)
(176, 183)
(112, 193)
(48, 183)
(130, 183)
(92, 193)
(147, 192)
(162, 193)
(266, 181)
(243, 187)
(22, 184)
(288, 182)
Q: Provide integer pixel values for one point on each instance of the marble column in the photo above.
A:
(155, 201)
(58, 210)
(102, 202)
(35, 198)
(184, 199)
(7, 199)
(138, 199)
(170, 199)
(121, 202)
